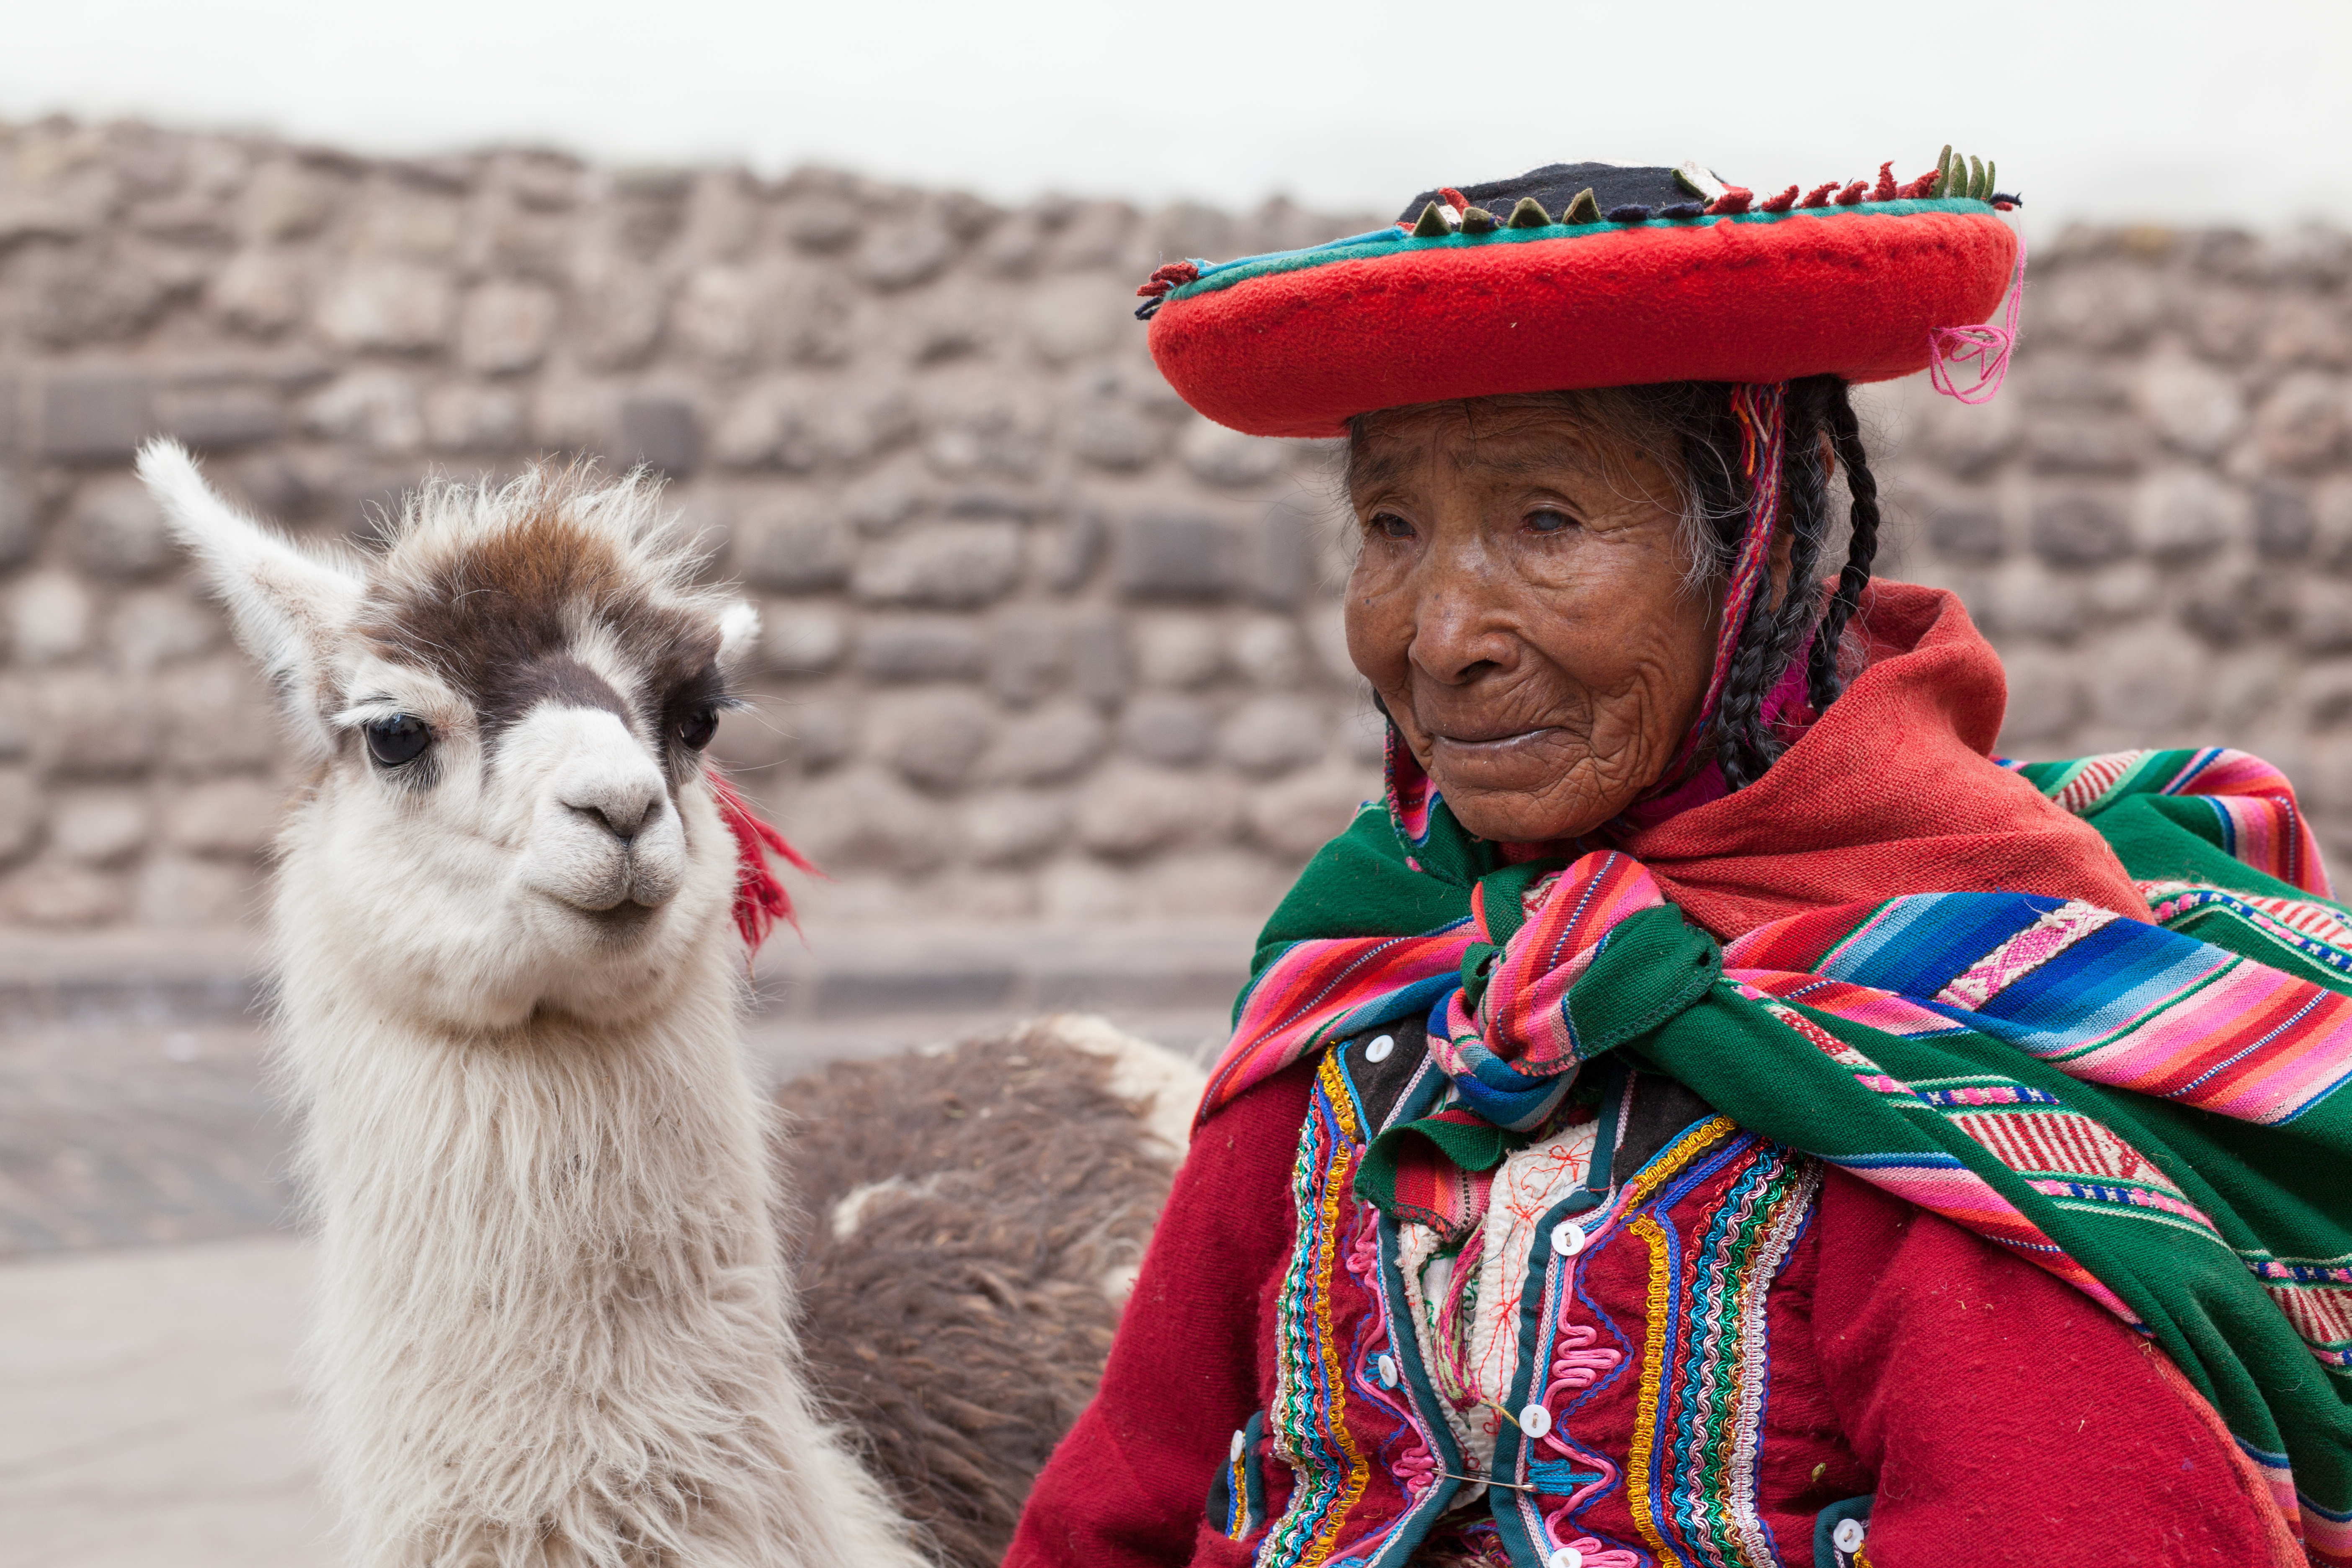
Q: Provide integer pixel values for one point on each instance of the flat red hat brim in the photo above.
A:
(1298, 349)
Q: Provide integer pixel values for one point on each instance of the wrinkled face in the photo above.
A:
(508, 707)
(1520, 604)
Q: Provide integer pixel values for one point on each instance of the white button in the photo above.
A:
(1535, 1421)
(1566, 1557)
(1378, 1051)
(1568, 1238)
(1847, 1536)
(1240, 1442)
(1388, 1368)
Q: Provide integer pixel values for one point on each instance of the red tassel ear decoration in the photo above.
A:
(760, 898)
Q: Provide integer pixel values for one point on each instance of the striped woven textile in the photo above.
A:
(2155, 1111)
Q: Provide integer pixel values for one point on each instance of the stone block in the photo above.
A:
(618, 314)
(49, 618)
(903, 252)
(864, 819)
(2182, 514)
(2283, 522)
(1178, 650)
(661, 432)
(2231, 606)
(1216, 455)
(880, 502)
(19, 531)
(1113, 436)
(21, 811)
(259, 291)
(1095, 234)
(505, 327)
(918, 647)
(1012, 827)
(1072, 319)
(1173, 730)
(1364, 731)
(393, 306)
(792, 546)
(941, 565)
(1162, 554)
(217, 718)
(96, 415)
(2025, 598)
(2191, 405)
(285, 201)
(802, 641)
(231, 816)
(174, 891)
(1028, 656)
(2079, 528)
(98, 826)
(376, 408)
(933, 739)
(2331, 523)
(821, 225)
(154, 627)
(1054, 743)
(1130, 811)
(716, 316)
(2045, 698)
(1967, 440)
(467, 417)
(2323, 616)
(2300, 426)
(116, 530)
(1278, 561)
(2147, 683)
(2105, 306)
(1966, 530)
(1269, 652)
(1069, 551)
(2073, 442)
(1298, 815)
(63, 896)
(1272, 735)
(212, 418)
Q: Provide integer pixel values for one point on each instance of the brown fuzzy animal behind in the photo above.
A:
(1000, 1195)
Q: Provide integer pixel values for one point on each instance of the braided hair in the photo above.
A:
(1697, 417)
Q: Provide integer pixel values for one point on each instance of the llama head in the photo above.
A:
(506, 706)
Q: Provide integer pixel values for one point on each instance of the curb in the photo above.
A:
(182, 978)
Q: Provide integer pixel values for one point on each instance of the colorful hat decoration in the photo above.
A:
(1645, 275)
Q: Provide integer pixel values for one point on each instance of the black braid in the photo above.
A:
(1845, 436)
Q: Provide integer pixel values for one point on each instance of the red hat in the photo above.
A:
(1645, 275)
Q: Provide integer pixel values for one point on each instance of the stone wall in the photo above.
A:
(1041, 644)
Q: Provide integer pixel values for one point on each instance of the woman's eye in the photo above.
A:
(398, 739)
(1388, 525)
(694, 731)
(1549, 520)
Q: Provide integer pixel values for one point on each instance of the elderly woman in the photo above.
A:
(1711, 1111)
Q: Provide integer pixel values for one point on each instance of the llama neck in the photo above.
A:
(554, 1324)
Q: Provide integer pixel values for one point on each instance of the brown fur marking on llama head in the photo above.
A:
(520, 613)
(965, 1225)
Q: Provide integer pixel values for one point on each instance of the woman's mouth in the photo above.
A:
(1484, 743)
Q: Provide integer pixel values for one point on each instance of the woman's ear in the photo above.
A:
(290, 610)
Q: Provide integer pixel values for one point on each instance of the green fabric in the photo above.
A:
(1655, 991)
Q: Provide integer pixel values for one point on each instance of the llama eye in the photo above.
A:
(694, 731)
(397, 739)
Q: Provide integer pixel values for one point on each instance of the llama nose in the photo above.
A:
(626, 807)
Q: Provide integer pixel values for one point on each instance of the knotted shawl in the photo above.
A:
(2098, 1012)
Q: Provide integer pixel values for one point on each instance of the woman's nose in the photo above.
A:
(1458, 631)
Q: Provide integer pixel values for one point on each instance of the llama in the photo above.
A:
(555, 1328)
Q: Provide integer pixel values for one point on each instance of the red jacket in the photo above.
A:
(1997, 1416)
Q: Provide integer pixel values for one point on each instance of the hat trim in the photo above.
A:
(1216, 276)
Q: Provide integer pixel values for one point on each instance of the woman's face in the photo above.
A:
(1519, 606)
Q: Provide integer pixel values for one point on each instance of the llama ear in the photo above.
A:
(287, 609)
(739, 629)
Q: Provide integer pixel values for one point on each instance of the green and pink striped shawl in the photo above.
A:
(2155, 1111)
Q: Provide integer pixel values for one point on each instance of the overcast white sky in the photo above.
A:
(2159, 110)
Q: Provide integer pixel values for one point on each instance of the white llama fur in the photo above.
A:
(554, 1326)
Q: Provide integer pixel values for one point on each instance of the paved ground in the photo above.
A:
(151, 1286)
